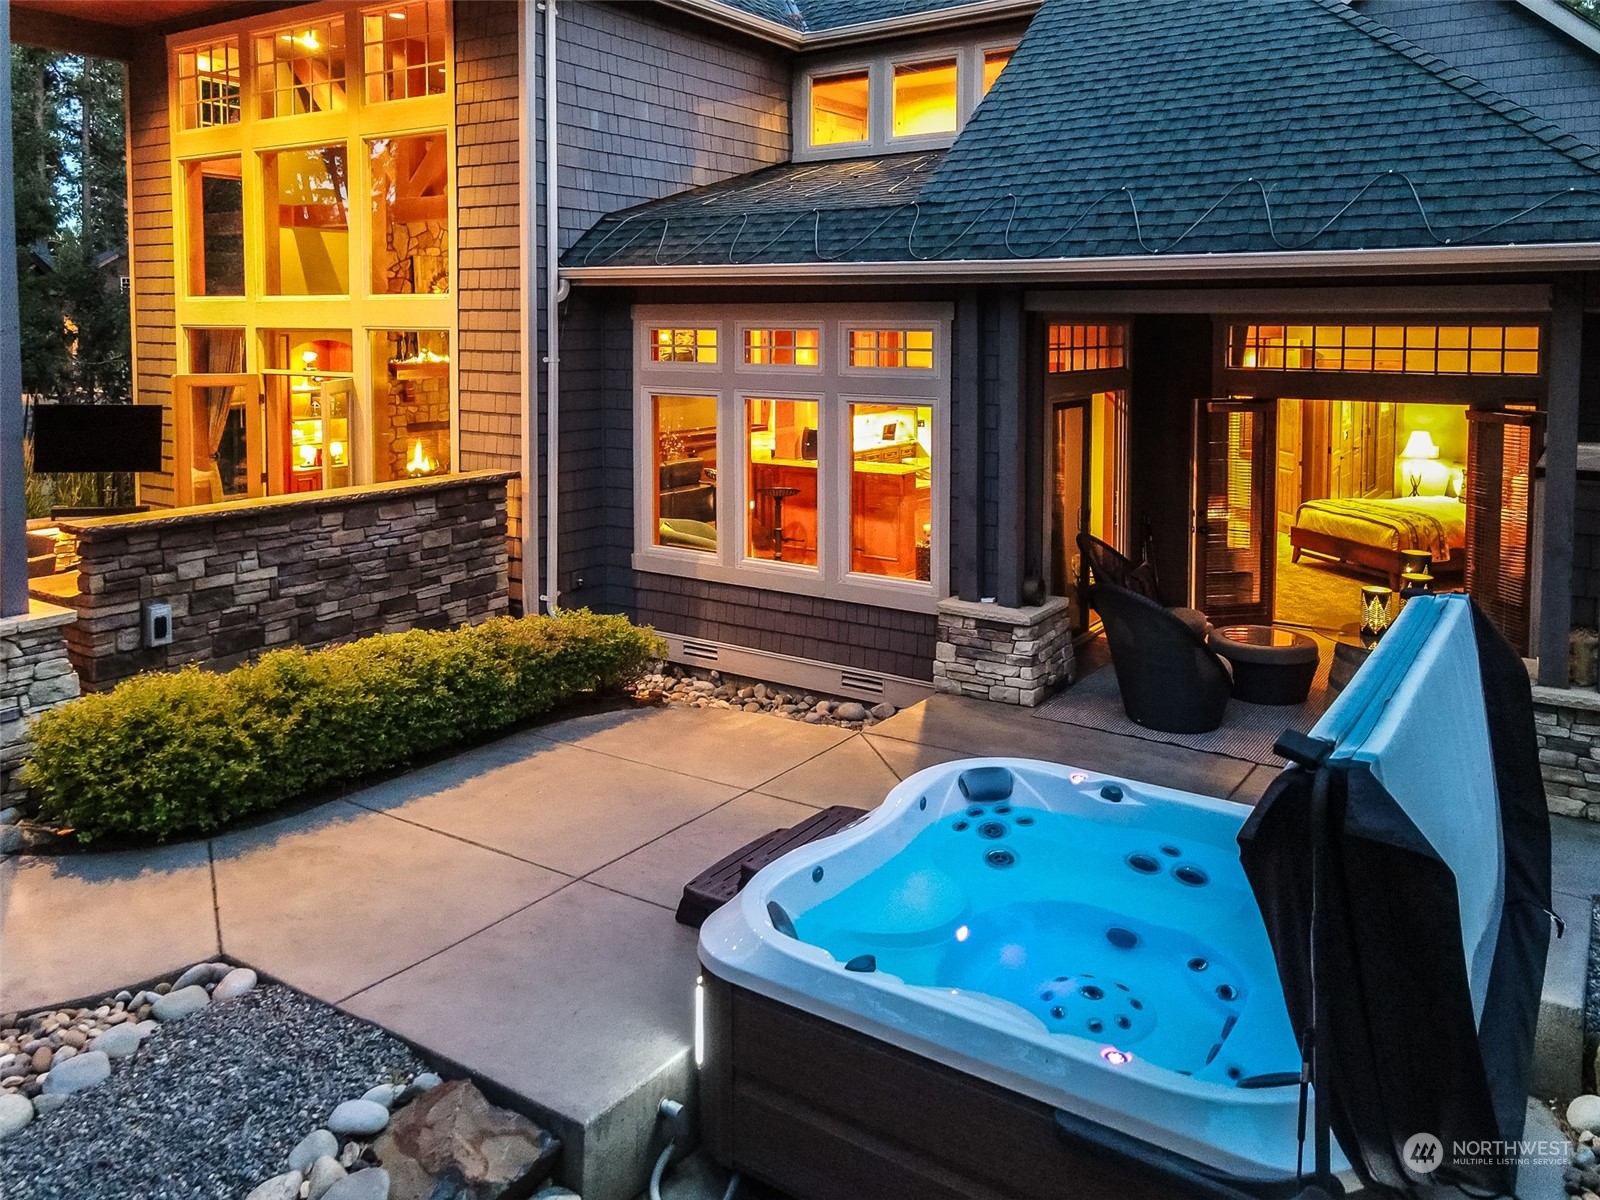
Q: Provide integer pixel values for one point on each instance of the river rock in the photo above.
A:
(371, 1184)
(234, 984)
(452, 1132)
(184, 1002)
(384, 1094)
(884, 711)
(279, 1187)
(15, 1112)
(316, 1144)
(850, 711)
(119, 1041)
(325, 1172)
(1584, 1113)
(358, 1118)
(77, 1073)
(426, 1080)
(555, 1192)
(200, 973)
(45, 1105)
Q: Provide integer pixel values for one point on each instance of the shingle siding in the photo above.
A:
(489, 250)
(1502, 44)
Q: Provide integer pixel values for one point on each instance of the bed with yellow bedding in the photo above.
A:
(1370, 534)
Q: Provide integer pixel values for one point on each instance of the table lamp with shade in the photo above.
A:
(1417, 457)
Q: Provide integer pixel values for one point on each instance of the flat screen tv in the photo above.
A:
(96, 437)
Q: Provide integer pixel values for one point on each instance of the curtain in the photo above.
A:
(224, 356)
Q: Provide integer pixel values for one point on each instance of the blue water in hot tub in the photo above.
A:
(1136, 940)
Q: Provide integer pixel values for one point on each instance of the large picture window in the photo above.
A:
(314, 163)
(826, 481)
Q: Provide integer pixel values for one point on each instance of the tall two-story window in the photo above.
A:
(315, 164)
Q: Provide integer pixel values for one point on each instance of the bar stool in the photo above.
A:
(777, 495)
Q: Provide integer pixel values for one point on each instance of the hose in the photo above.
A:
(661, 1169)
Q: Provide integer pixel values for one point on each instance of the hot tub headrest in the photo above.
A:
(984, 785)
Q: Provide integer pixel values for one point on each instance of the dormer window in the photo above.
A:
(905, 99)
(925, 98)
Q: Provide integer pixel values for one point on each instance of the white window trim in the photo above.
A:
(848, 369)
(744, 368)
(880, 97)
(835, 391)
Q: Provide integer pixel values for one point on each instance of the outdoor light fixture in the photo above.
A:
(700, 1021)
(1117, 1058)
(1377, 611)
(1418, 457)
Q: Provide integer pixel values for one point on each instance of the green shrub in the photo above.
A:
(191, 751)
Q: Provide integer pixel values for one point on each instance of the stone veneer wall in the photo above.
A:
(1567, 721)
(34, 675)
(1010, 655)
(255, 575)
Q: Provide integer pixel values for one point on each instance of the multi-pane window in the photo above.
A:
(1397, 349)
(839, 108)
(994, 61)
(892, 349)
(1087, 348)
(300, 69)
(780, 347)
(891, 476)
(781, 484)
(307, 221)
(683, 345)
(403, 50)
(925, 98)
(684, 458)
(215, 206)
(208, 84)
(410, 215)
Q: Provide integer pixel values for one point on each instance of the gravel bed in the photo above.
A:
(1591, 991)
(665, 683)
(208, 1107)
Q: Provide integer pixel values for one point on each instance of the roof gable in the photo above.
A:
(1124, 128)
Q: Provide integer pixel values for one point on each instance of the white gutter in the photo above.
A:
(552, 318)
(1440, 259)
(528, 342)
(1568, 22)
(956, 16)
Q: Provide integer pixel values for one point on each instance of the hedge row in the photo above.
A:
(189, 752)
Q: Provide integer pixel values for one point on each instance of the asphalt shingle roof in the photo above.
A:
(1123, 127)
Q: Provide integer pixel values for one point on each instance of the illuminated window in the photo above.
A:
(215, 203)
(410, 215)
(925, 98)
(685, 461)
(410, 403)
(891, 476)
(403, 48)
(683, 345)
(781, 488)
(781, 347)
(1385, 349)
(310, 390)
(839, 109)
(307, 221)
(208, 85)
(1087, 347)
(994, 61)
(892, 349)
(301, 69)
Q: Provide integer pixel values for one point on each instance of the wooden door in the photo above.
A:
(1502, 449)
(1069, 505)
(1235, 521)
(1290, 431)
(219, 431)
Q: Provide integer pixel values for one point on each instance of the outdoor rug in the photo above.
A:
(1248, 730)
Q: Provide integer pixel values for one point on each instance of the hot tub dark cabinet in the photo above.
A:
(826, 1113)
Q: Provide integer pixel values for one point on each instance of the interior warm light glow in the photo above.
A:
(994, 61)
(308, 39)
(839, 109)
(925, 98)
(419, 463)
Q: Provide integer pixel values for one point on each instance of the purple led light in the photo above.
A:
(1115, 1057)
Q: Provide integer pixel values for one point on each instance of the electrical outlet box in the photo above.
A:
(157, 623)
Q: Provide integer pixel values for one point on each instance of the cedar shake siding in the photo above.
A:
(151, 253)
(489, 239)
(650, 105)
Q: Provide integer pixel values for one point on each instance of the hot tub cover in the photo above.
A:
(1438, 886)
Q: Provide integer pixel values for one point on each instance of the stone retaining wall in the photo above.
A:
(1009, 655)
(34, 675)
(1568, 724)
(255, 575)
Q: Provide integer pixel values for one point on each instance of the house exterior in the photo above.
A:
(838, 320)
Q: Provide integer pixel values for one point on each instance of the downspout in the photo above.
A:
(528, 27)
(552, 334)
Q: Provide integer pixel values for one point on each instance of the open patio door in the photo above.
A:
(1502, 450)
(219, 438)
(1235, 540)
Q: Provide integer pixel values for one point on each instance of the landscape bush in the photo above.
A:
(193, 750)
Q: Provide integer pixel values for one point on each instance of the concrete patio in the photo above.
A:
(510, 909)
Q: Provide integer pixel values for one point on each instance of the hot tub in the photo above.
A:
(1021, 979)
(1087, 941)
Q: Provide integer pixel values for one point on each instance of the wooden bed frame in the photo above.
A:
(1378, 559)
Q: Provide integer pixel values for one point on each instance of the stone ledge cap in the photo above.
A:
(40, 616)
(1032, 615)
(1579, 699)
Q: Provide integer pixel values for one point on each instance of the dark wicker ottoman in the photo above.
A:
(1270, 665)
